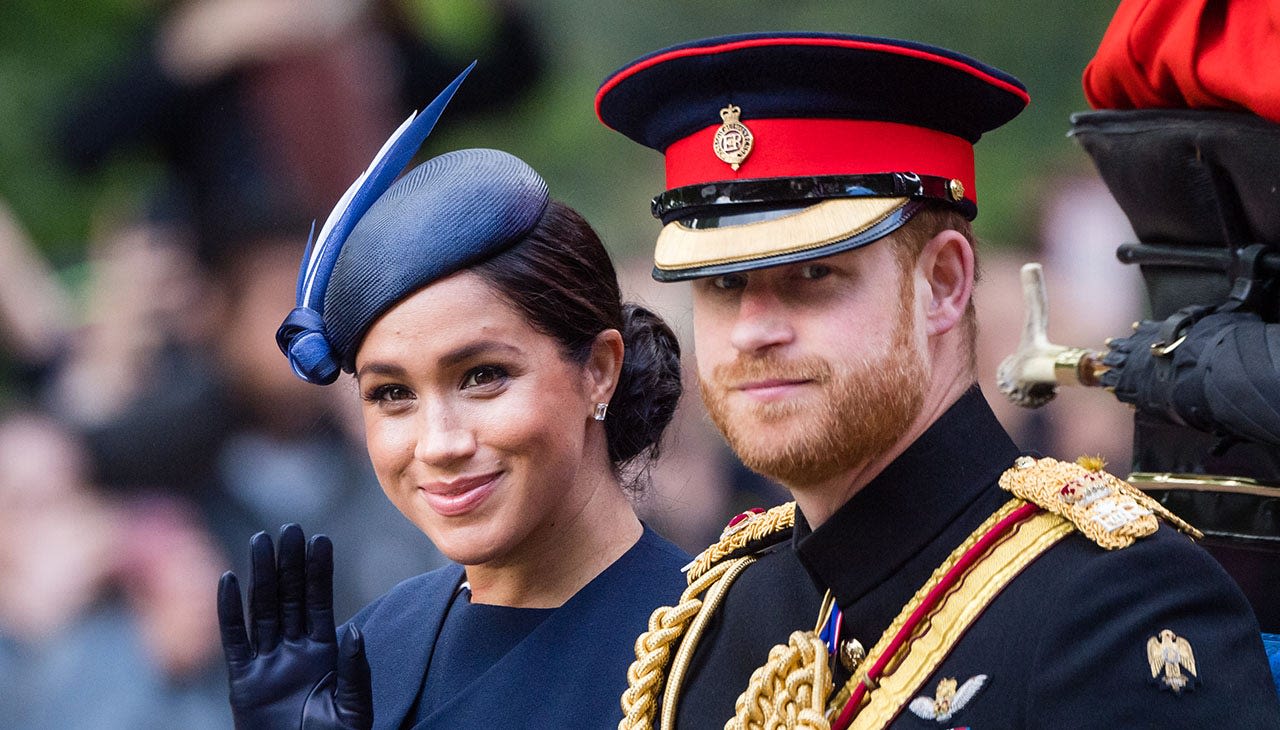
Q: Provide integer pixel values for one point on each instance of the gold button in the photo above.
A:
(851, 654)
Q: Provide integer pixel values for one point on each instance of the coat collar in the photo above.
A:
(916, 498)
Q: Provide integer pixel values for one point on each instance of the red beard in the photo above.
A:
(864, 409)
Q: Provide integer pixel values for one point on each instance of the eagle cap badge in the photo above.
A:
(1173, 664)
(733, 140)
(948, 699)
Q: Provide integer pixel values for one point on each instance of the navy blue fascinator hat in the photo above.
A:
(384, 241)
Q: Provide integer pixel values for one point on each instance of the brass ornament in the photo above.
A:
(733, 140)
(740, 521)
(1172, 661)
(955, 189)
(852, 652)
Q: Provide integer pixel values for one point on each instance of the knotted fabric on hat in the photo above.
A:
(1198, 54)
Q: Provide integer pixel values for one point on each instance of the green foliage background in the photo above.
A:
(49, 47)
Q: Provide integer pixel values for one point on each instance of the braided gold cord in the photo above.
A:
(653, 652)
(684, 655)
(789, 691)
(758, 527)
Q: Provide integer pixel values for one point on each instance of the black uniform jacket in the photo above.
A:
(569, 672)
(1063, 646)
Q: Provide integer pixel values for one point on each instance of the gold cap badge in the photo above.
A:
(733, 140)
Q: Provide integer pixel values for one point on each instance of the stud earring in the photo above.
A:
(601, 410)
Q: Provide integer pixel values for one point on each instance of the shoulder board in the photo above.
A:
(747, 533)
(1107, 510)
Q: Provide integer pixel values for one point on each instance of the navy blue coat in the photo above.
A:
(570, 672)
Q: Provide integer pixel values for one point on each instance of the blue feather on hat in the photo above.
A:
(302, 336)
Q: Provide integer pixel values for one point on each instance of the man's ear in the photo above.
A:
(604, 365)
(946, 264)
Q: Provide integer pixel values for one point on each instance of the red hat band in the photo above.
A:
(811, 147)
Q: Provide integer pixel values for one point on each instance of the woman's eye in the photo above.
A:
(389, 393)
(482, 376)
(729, 281)
(815, 271)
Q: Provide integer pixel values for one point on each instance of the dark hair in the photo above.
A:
(561, 278)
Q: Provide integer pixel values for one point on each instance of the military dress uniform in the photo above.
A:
(1067, 643)
(967, 585)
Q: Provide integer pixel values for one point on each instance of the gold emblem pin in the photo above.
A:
(1172, 662)
(733, 140)
(955, 189)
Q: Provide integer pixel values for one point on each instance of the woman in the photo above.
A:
(506, 394)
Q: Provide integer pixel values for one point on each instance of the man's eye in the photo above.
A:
(729, 281)
(815, 271)
(482, 376)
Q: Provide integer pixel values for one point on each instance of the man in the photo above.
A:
(820, 189)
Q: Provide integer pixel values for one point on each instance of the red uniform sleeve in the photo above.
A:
(1198, 54)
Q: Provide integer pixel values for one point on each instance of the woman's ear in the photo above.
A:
(604, 365)
(946, 264)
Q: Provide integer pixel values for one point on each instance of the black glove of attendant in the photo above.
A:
(292, 674)
(1224, 377)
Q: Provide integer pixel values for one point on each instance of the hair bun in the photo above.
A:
(649, 386)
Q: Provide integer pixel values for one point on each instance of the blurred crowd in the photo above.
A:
(151, 424)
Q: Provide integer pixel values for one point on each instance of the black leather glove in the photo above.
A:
(1223, 378)
(1140, 376)
(287, 669)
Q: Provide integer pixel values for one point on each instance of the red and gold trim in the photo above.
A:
(934, 620)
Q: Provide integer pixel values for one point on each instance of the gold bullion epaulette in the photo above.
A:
(747, 533)
(1104, 508)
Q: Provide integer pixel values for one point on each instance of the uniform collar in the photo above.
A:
(910, 503)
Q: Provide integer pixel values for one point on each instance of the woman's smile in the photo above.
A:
(457, 497)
